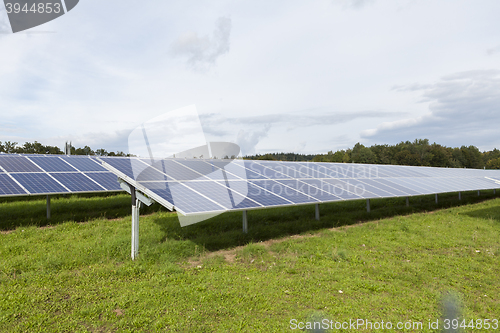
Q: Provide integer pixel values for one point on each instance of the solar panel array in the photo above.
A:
(195, 186)
(24, 174)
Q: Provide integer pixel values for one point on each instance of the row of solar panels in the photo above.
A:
(53, 174)
(206, 186)
(199, 186)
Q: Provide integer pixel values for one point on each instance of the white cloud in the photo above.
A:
(203, 52)
(248, 140)
(493, 50)
(464, 109)
(4, 21)
(354, 3)
(311, 71)
(218, 125)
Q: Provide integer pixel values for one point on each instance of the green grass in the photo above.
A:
(395, 265)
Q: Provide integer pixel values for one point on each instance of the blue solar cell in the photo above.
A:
(387, 186)
(162, 189)
(182, 197)
(189, 201)
(199, 166)
(403, 171)
(222, 194)
(386, 171)
(235, 169)
(208, 168)
(339, 170)
(16, 163)
(264, 172)
(83, 163)
(124, 165)
(336, 170)
(466, 184)
(314, 170)
(309, 190)
(135, 169)
(424, 185)
(150, 173)
(284, 191)
(178, 171)
(338, 188)
(8, 186)
(255, 193)
(107, 179)
(39, 183)
(414, 184)
(77, 182)
(485, 183)
(292, 170)
(51, 163)
(362, 171)
(300, 170)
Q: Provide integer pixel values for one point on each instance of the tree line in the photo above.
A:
(417, 153)
(9, 147)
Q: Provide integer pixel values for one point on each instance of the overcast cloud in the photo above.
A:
(271, 76)
(463, 108)
(493, 50)
(202, 52)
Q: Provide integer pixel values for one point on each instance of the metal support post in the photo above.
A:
(317, 212)
(407, 202)
(494, 191)
(135, 224)
(245, 222)
(48, 207)
(459, 195)
(436, 198)
(368, 205)
(478, 193)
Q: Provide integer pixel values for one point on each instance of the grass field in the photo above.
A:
(393, 264)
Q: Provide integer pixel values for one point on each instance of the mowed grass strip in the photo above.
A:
(77, 277)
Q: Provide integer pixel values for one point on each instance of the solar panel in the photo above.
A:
(16, 163)
(284, 192)
(234, 184)
(209, 169)
(177, 171)
(258, 194)
(51, 163)
(282, 169)
(39, 183)
(345, 189)
(309, 190)
(222, 194)
(395, 190)
(190, 201)
(77, 182)
(105, 179)
(25, 174)
(83, 163)
(263, 172)
(9, 186)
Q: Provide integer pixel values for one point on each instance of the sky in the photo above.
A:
(270, 76)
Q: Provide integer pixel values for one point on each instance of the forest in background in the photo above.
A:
(417, 153)
(9, 147)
